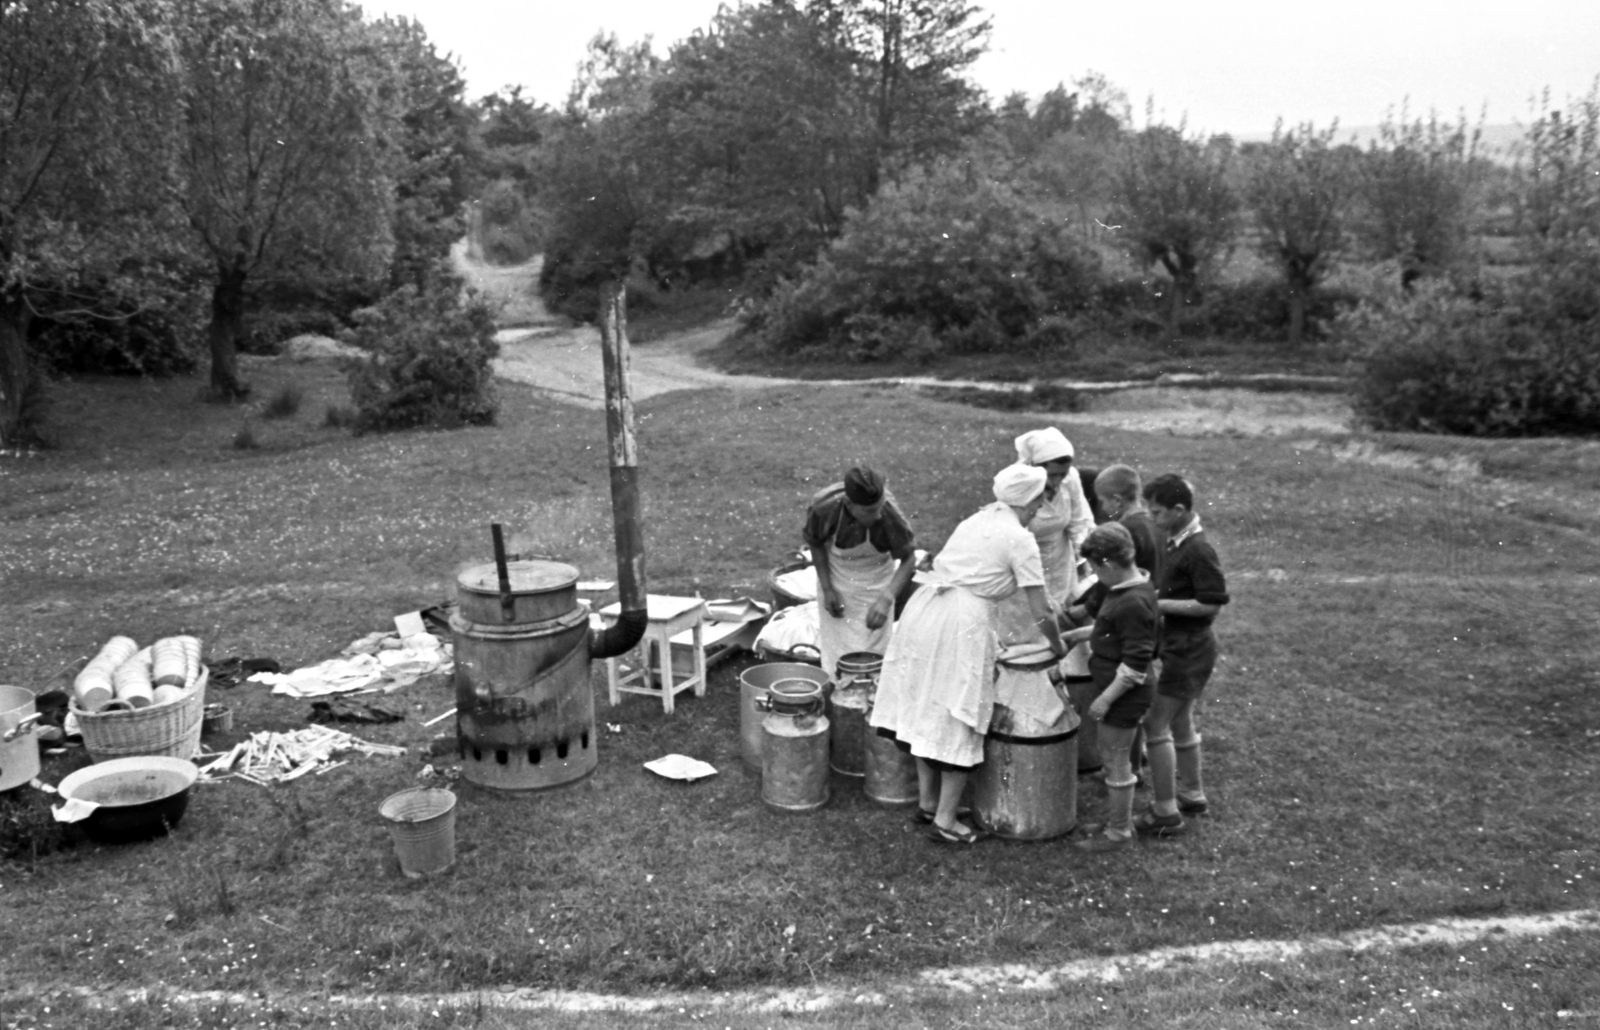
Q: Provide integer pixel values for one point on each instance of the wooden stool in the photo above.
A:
(669, 616)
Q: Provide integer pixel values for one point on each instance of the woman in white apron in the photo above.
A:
(1060, 527)
(936, 691)
(863, 550)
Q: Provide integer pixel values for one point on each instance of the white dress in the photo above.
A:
(936, 691)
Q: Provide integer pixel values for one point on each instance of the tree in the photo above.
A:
(1299, 190)
(1176, 206)
(287, 155)
(85, 146)
(438, 159)
(1416, 184)
(598, 191)
(1560, 205)
(910, 58)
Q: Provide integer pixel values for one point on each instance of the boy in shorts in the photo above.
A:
(1122, 642)
(1191, 593)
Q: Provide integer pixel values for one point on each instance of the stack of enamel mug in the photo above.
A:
(133, 701)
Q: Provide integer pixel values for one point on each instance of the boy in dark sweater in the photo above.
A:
(1122, 642)
(1192, 591)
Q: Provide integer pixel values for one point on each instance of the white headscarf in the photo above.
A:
(1038, 446)
(1017, 485)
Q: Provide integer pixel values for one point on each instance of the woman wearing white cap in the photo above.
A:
(1060, 527)
(936, 691)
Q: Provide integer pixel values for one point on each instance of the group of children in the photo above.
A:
(1147, 622)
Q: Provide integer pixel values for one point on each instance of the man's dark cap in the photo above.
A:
(863, 486)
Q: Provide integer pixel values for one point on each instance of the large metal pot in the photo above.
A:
(19, 748)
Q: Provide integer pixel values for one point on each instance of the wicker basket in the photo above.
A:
(172, 728)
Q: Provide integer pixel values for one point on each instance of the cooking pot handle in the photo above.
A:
(23, 726)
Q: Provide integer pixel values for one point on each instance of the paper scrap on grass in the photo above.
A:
(681, 767)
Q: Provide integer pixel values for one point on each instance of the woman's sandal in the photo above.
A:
(925, 817)
(959, 835)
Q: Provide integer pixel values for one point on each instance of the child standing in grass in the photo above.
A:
(1122, 642)
(1118, 488)
(1192, 591)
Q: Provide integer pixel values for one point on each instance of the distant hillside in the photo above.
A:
(1498, 140)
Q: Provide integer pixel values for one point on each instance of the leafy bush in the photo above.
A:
(947, 261)
(285, 403)
(430, 361)
(269, 329)
(1259, 310)
(1442, 363)
(144, 342)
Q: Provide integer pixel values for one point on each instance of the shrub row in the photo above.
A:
(1510, 363)
(949, 264)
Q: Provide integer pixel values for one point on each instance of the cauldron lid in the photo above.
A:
(530, 576)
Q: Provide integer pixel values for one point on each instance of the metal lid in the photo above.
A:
(531, 576)
(795, 696)
(1027, 657)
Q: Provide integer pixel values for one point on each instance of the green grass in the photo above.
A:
(1404, 726)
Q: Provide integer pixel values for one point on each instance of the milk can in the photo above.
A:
(754, 683)
(1027, 786)
(794, 748)
(855, 682)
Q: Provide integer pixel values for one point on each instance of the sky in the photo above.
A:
(1232, 66)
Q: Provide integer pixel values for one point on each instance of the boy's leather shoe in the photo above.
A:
(1159, 825)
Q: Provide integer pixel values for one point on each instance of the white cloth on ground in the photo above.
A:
(389, 667)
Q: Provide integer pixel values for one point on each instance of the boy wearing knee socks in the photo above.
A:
(1191, 593)
(1122, 642)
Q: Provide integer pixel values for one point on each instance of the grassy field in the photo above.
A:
(1404, 727)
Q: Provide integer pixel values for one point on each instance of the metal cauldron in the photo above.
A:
(525, 710)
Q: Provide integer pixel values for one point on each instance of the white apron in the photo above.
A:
(860, 576)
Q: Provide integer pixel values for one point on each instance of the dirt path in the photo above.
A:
(566, 362)
(541, 350)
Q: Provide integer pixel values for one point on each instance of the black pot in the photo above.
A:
(139, 798)
(125, 824)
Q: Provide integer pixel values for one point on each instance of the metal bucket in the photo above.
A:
(19, 748)
(794, 750)
(422, 824)
(525, 710)
(891, 774)
(754, 683)
(1027, 786)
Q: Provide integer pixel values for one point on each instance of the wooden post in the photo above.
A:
(623, 448)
